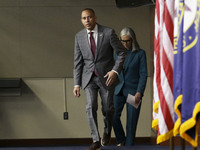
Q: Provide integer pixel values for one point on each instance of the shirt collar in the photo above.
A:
(95, 30)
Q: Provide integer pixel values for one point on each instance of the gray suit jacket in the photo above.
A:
(84, 62)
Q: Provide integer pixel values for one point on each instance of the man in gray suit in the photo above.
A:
(96, 71)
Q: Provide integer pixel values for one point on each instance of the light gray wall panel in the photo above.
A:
(37, 36)
(47, 41)
(10, 62)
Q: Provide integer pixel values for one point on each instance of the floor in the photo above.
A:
(137, 147)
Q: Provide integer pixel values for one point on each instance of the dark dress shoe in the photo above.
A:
(94, 146)
(106, 139)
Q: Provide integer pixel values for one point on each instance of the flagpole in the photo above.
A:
(182, 144)
(194, 148)
(172, 143)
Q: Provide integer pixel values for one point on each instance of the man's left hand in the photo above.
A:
(112, 76)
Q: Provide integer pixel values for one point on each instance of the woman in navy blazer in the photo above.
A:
(133, 80)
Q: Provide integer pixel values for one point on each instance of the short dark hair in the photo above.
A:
(90, 9)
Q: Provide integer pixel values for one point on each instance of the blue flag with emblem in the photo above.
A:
(178, 63)
(189, 63)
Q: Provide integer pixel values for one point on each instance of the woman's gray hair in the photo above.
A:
(129, 32)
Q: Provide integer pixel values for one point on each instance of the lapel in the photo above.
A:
(99, 40)
(85, 40)
(130, 59)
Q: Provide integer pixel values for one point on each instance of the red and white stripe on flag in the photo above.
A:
(156, 67)
(163, 70)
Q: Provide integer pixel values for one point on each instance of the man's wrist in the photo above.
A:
(115, 72)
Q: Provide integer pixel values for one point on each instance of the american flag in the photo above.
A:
(163, 114)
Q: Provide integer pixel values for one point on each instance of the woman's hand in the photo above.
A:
(137, 97)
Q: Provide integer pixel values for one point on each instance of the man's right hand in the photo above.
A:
(76, 91)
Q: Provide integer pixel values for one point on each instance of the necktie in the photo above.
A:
(92, 43)
(93, 48)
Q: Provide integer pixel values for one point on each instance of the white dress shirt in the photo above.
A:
(95, 34)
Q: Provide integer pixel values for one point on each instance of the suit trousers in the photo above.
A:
(131, 120)
(92, 89)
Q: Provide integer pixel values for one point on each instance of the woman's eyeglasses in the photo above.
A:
(125, 41)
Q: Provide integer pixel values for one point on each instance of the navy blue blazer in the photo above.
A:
(133, 77)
